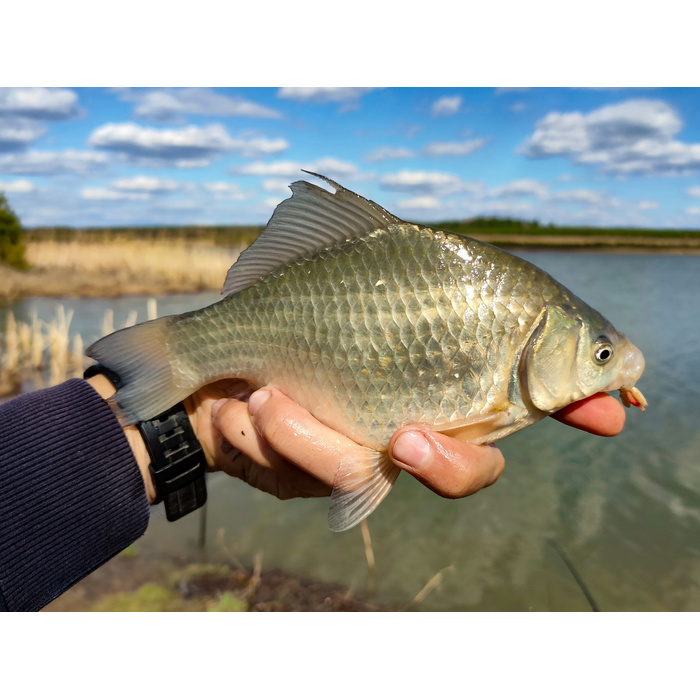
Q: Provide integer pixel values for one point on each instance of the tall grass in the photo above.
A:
(117, 267)
(193, 265)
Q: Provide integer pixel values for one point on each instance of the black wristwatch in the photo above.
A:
(178, 466)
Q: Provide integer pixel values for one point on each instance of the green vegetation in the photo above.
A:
(212, 235)
(11, 236)
(149, 598)
(228, 603)
(510, 227)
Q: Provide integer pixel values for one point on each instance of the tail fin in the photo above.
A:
(139, 355)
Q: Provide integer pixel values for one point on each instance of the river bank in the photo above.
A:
(79, 268)
(59, 282)
(132, 582)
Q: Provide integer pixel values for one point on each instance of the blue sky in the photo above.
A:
(150, 156)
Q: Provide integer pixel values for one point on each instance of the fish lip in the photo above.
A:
(632, 369)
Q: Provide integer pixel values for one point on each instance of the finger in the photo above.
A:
(259, 465)
(284, 480)
(294, 433)
(200, 407)
(600, 414)
(451, 468)
(231, 419)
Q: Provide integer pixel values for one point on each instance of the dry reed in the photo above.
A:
(369, 555)
(29, 350)
(193, 265)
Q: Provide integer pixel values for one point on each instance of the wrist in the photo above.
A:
(105, 389)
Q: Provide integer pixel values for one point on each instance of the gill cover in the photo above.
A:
(548, 363)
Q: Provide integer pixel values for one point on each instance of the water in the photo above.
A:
(625, 510)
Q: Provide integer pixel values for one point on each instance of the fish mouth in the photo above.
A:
(631, 371)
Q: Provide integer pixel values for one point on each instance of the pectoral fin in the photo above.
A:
(359, 488)
(476, 429)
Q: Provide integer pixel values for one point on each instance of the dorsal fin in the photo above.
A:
(310, 220)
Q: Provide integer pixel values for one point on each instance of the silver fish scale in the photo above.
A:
(402, 325)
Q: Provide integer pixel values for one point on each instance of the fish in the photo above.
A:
(371, 323)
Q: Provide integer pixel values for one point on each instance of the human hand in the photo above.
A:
(455, 469)
(275, 445)
(269, 447)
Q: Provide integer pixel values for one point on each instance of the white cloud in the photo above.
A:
(519, 188)
(426, 183)
(191, 142)
(278, 168)
(647, 204)
(110, 194)
(259, 147)
(527, 188)
(323, 94)
(51, 162)
(276, 185)
(420, 203)
(17, 187)
(694, 211)
(177, 163)
(446, 106)
(693, 191)
(143, 183)
(190, 146)
(580, 196)
(171, 104)
(137, 188)
(632, 137)
(383, 153)
(16, 133)
(225, 190)
(39, 103)
(330, 167)
(457, 149)
(518, 107)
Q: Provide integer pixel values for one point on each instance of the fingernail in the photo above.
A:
(216, 407)
(256, 400)
(412, 449)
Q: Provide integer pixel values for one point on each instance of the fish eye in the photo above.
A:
(603, 350)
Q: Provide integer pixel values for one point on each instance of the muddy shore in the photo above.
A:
(46, 282)
(132, 582)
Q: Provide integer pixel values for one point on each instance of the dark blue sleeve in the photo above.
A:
(71, 493)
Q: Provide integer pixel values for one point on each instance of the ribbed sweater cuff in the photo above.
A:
(71, 493)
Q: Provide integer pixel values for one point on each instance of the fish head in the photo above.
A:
(574, 353)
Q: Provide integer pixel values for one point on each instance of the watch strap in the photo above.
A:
(113, 377)
(178, 466)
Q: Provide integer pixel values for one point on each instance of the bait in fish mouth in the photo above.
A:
(371, 323)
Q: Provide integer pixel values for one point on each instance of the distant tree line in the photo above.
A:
(494, 225)
(216, 235)
(11, 236)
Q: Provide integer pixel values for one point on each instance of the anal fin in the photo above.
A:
(359, 488)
